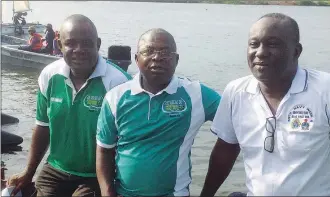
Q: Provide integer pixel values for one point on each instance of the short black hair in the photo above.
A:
(78, 18)
(293, 23)
(159, 30)
(119, 52)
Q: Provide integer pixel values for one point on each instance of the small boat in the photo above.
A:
(8, 119)
(13, 29)
(9, 140)
(11, 40)
(10, 54)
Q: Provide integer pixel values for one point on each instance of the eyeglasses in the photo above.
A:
(164, 53)
(269, 142)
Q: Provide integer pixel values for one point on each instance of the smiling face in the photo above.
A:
(157, 58)
(80, 45)
(273, 50)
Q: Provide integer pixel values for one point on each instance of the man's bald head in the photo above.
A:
(289, 22)
(78, 20)
(79, 44)
(152, 35)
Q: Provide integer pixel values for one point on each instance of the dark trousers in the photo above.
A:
(52, 182)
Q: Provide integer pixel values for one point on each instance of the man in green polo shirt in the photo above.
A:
(69, 99)
(151, 122)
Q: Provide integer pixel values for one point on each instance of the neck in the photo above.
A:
(278, 88)
(80, 76)
(152, 87)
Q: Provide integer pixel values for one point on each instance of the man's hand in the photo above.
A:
(20, 181)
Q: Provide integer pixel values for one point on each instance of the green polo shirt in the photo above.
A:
(153, 134)
(72, 116)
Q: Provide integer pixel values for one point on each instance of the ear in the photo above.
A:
(177, 59)
(136, 59)
(98, 43)
(298, 50)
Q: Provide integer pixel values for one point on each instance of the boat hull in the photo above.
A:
(9, 28)
(11, 40)
(10, 54)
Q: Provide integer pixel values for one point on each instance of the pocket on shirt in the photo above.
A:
(298, 140)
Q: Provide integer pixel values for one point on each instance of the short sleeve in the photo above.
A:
(106, 135)
(42, 117)
(222, 124)
(211, 101)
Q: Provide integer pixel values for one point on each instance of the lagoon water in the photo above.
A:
(211, 41)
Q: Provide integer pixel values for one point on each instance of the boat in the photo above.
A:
(9, 140)
(8, 119)
(10, 54)
(11, 28)
(11, 40)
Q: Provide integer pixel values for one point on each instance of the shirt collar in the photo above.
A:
(136, 86)
(299, 83)
(99, 71)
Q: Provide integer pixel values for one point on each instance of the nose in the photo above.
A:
(156, 56)
(262, 51)
(79, 48)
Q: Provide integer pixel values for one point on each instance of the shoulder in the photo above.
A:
(318, 81)
(318, 77)
(241, 85)
(52, 69)
(114, 75)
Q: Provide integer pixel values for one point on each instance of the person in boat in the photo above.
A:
(69, 99)
(150, 123)
(279, 116)
(56, 49)
(49, 38)
(34, 43)
(120, 55)
(18, 18)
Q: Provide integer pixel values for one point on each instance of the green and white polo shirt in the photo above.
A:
(153, 134)
(72, 116)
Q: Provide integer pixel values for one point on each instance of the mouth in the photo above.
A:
(157, 70)
(260, 64)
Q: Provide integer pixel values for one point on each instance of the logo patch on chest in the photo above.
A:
(57, 100)
(174, 107)
(301, 118)
(93, 102)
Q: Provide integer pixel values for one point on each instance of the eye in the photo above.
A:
(87, 43)
(147, 51)
(274, 44)
(253, 44)
(69, 43)
(165, 52)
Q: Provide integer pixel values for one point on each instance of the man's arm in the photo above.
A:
(222, 160)
(38, 148)
(105, 170)
(106, 139)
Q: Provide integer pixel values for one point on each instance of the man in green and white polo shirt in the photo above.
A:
(69, 99)
(151, 122)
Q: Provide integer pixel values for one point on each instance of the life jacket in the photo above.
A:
(38, 45)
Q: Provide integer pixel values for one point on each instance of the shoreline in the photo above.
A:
(244, 2)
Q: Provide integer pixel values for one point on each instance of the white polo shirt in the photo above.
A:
(300, 163)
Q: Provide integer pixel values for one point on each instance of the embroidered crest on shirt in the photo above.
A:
(174, 107)
(93, 102)
(301, 118)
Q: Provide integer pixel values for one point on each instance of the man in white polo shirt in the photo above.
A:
(278, 117)
(151, 123)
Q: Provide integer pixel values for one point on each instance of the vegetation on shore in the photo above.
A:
(272, 2)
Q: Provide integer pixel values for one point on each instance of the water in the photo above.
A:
(211, 42)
